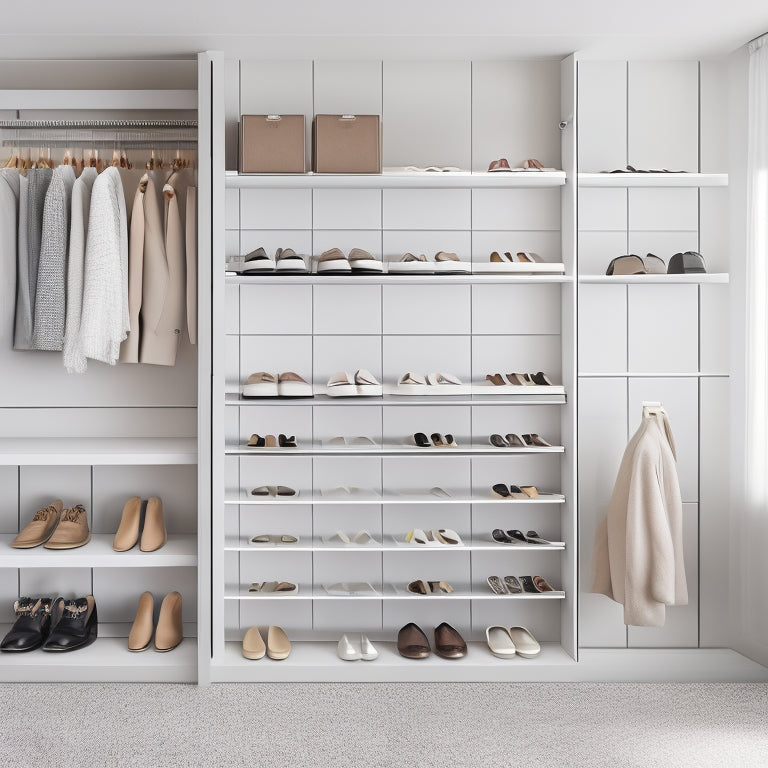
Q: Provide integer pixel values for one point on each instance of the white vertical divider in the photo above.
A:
(568, 344)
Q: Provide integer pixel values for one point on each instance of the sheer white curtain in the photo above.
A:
(752, 528)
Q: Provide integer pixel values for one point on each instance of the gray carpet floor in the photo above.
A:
(383, 725)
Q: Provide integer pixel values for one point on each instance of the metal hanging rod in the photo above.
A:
(103, 124)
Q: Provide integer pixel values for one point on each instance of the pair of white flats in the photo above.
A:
(361, 539)
(334, 262)
(438, 537)
(265, 384)
(362, 384)
(411, 379)
(506, 642)
(356, 648)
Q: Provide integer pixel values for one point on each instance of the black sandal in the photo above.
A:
(500, 536)
(286, 442)
(257, 441)
(421, 440)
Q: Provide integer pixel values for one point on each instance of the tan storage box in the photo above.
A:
(272, 144)
(346, 144)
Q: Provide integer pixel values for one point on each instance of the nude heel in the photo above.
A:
(141, 631)
(170, 629)
(130, 524)
(154, 535)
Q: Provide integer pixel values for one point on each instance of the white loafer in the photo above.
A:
(347, 650)
(367, 651)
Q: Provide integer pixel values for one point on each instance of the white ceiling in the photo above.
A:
(415, 29)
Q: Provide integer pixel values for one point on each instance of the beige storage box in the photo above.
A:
(346, 144)
(272, 144)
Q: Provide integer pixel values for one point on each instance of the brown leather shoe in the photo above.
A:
(141, 632)
(128, 531)
(170, 630)
(40, 528)
(153, 536)
(72, 530)
(499, 165)
(412, 643)
(449, 643)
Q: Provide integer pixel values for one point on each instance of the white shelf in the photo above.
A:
(390, 450)
(318, 662)
(389, 593)
(178, 551)
(387, 180)
(503, 398)
(386, 279)
(101, 451)
(654, 375)
(689, 279)
(653, 179)
(106, 660)
(238, 544)
(307, 498)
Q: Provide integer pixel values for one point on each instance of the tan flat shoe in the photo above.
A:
(38, 530)
(530, 491)
(128, 531)
(154, 535)
(253, 644)
(72, 530)
(170, 629)
(278, 644)
(141, 631)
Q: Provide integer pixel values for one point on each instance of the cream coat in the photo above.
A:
(9, 208)
(638, 555)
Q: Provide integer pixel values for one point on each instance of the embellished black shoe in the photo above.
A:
(74, 624)
(33, 622)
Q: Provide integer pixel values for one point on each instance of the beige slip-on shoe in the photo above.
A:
(72, 530)
(260, 384)
(170, 629)
(500, 642)
(525, 643)
(40, 528)
(450, 263)
(154, 535)
(253, 644)
(278, 644)
(361, 261)
(290, 384)
(130, 523)
(141, 631)
(333, 261)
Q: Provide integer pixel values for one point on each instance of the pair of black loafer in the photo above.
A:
(518, 537)
(53, 625)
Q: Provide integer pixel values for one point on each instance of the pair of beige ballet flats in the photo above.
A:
(145, 524)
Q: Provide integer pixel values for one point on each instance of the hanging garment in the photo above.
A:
(164, 282)
(74, 359)
(129, 351)
(104, 321)
(9, 210)
(22, 328)
(638, 556)
(191, 247)
(50, 296)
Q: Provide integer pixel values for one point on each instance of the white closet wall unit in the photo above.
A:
(99, 438)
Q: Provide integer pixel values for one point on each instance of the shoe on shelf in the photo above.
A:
(525, 643)
(129, 530)
(258, 263)
(367, 384)
(412, 379)
(170, 629)
(541, 584)
(449, 644)
(349, 649)
(333, 262)
(72, 530)
(287, 261)
(140, 636)
(499, 165)
(513, 585)
(421, 440)
(501, 491)
(260, 384)
(534, 441)
(497, 585)
(363, 262)
(341, 384)
(411, 264)
(422, 538)
(497, 441)
(441, 379)
(495, 379)
(515, 441)
(367, 650)
(500, 642)
(534, 538)
(291, 385)
(32, 625)
(286, 442)
(440, 587)
(278, 644)
(154, 534)
(447, 263)
(447, 537)
(418, 587)
(268, 538)
(501, 536)
(253, 644)
(74, 624)
(528, 585)
(517, 536)
(520, 379)
(38, 530)
(541, 379)
(412, 643)
(276, 491)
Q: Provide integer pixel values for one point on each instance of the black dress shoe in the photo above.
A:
(33, 621)
(74, 624)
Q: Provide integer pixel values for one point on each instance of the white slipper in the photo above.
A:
(420, 538)
(363, 441)
(290, 384)
(363, 539)
(337, 538)
(500, 642)
(410, 264)
(257, 262)
(436, 379)
(367, 651)
(349, 650)
(341, 385)
(332, 261)
(447, 537)
(411, 379)
(525, 643)
(367, 384)
(361, 262)
(439, 492)
(260, 384)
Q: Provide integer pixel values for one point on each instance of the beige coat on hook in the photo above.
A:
(638, 555)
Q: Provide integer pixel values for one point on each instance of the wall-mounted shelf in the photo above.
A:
(689, 279)
(387, 279)
(389, 544)
(389, 593)
(653, 180)
(392, 450)
(653, 375)
(403, 498)
(456, 180)
(97, 451)
(233, 398)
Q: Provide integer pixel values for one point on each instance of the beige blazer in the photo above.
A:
(638, 556)
(129, 351)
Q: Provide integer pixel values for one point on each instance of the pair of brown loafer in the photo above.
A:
(56, 528)
(412, 643)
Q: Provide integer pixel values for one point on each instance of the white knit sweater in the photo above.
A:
(104, 320)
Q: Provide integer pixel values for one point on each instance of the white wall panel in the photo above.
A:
(9, 510)
(602, 124)
(427, 113)
(276, 354)
(232, 364)
(443, 209)
(713, 120)
(261, 305)
(516, 209)
(516, 354)
(715, 328)
(346, 209)
(232, 244)
(232, 309)
(272, 239)
(602, 210)
(345, 353)
(232, 209)
(519, 309)
(680, 398)
(340, 309)
(663, 328)
(427, 354)
(602, 440)
(421, 309)
(664, 209)
(663, 115)
(499, 90)
(602, 328)
(714, 229)
(681, 626)
(347, 87)
(596, 249)
(276, 208)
